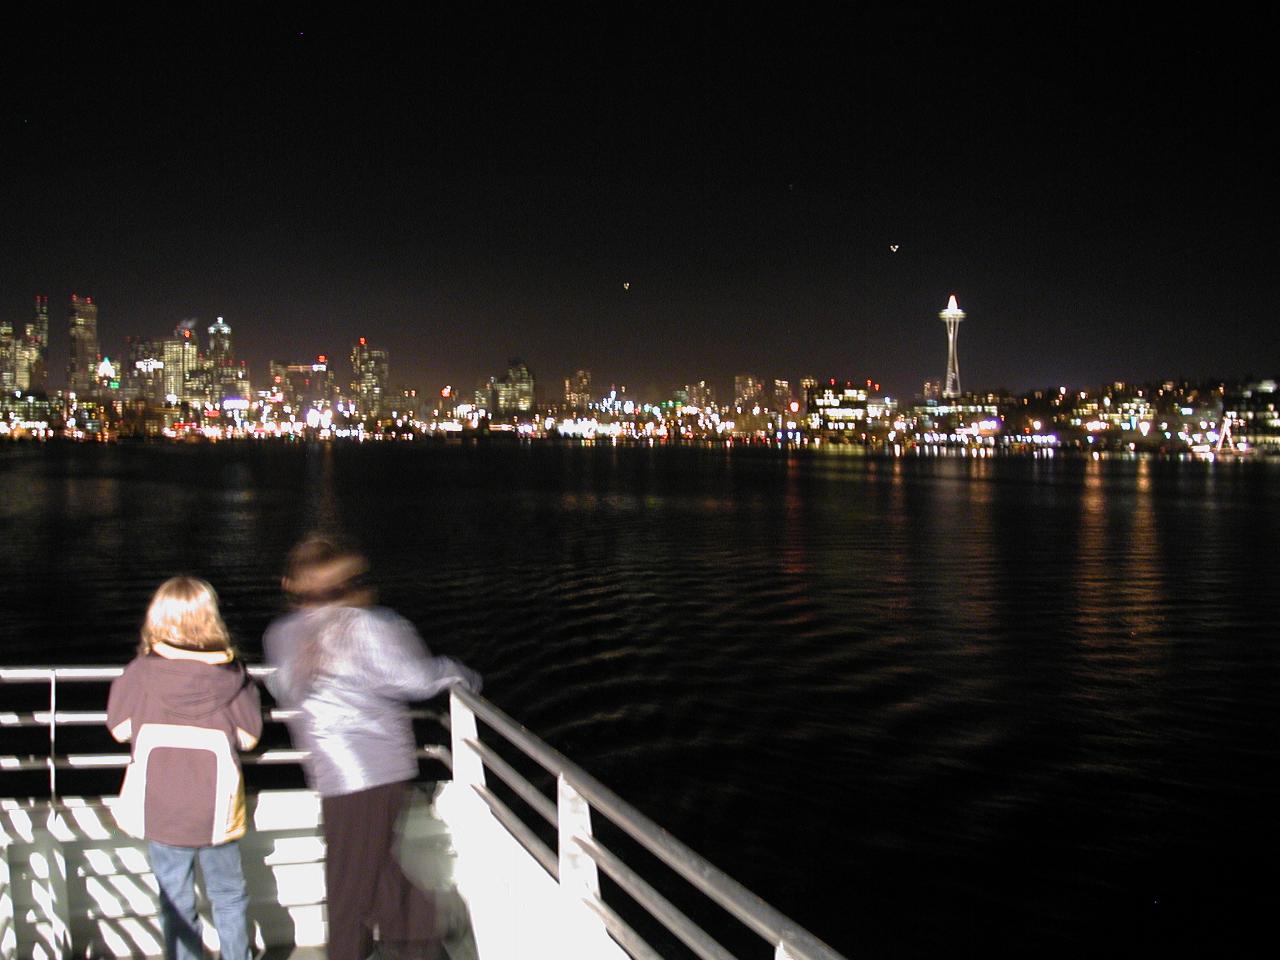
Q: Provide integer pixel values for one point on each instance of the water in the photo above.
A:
(919, 705)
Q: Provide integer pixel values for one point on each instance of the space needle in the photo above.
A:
(952, 317)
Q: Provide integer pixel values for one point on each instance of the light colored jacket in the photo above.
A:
(350, 672)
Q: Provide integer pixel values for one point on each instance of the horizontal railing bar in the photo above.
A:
(765, 920)
(33, 674)
(104, 672)
(68, 718)
(521, 831)
(513, 779)
(83, 761)
(662, 909)
(622, 932)
(85, 718)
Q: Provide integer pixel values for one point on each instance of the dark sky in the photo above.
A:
(1091, 185)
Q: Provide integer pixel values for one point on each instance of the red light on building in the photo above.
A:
(362, 341)
(322, 358)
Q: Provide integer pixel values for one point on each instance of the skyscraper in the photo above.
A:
(514, 392)
(8, 358)
(181, 359)
(220, 343)
(746, 390)
(577, 391)
(227, 378)
(143, 375)
(370, 371)
(952, 317)
(82, 323)
(32, 351)
(700, 394)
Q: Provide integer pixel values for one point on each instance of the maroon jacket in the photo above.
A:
(187, 713)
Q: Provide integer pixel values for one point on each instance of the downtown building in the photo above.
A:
(228, 379)
(85, 355)
(370, 380)
(514, 392)
(24, 353)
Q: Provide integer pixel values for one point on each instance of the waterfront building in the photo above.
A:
(952, 316)
(370, 371)
(514, 391)
(836, 405)
(82, 331)
(1256, 407)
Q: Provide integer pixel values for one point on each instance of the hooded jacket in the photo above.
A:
(187, 713)
(350, 672)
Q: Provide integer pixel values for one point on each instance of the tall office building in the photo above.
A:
(370, 371)
(746, 390)
(8, 358)
(220, 343)
(577, 391)
(781, 396)
(82, 323)
(142, 376)
(700, 394)
(228, 379)
(181, 362)
(304, 385)
(32, 351)
(514, 392)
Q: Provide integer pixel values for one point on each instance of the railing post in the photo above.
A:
(468, 768)
(579, 876)
(53, 736)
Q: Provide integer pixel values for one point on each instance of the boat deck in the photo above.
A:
(513, 834)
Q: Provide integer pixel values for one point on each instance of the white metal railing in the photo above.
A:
(52, 718)
(575, 864)
(580, 856)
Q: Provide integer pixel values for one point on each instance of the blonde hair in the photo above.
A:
(184, 613)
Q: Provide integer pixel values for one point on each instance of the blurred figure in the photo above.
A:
(350, 668)
(188, 704)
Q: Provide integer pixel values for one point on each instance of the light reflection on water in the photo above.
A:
(1025, 696)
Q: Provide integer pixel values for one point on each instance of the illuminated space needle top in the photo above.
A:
(952, 317)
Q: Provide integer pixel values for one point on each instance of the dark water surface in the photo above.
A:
(1020, 706)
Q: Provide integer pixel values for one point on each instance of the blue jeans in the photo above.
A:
(174, 868)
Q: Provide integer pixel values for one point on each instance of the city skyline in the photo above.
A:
(664, 199)
(217, 350)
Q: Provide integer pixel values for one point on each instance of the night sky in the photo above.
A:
(1092, 187)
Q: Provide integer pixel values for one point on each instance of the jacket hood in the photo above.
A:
(195, 688)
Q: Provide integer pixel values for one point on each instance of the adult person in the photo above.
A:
(350, 668)
(188, 704)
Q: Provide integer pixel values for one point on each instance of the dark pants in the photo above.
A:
(365, 886)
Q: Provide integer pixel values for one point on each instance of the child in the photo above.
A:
(187, 704)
